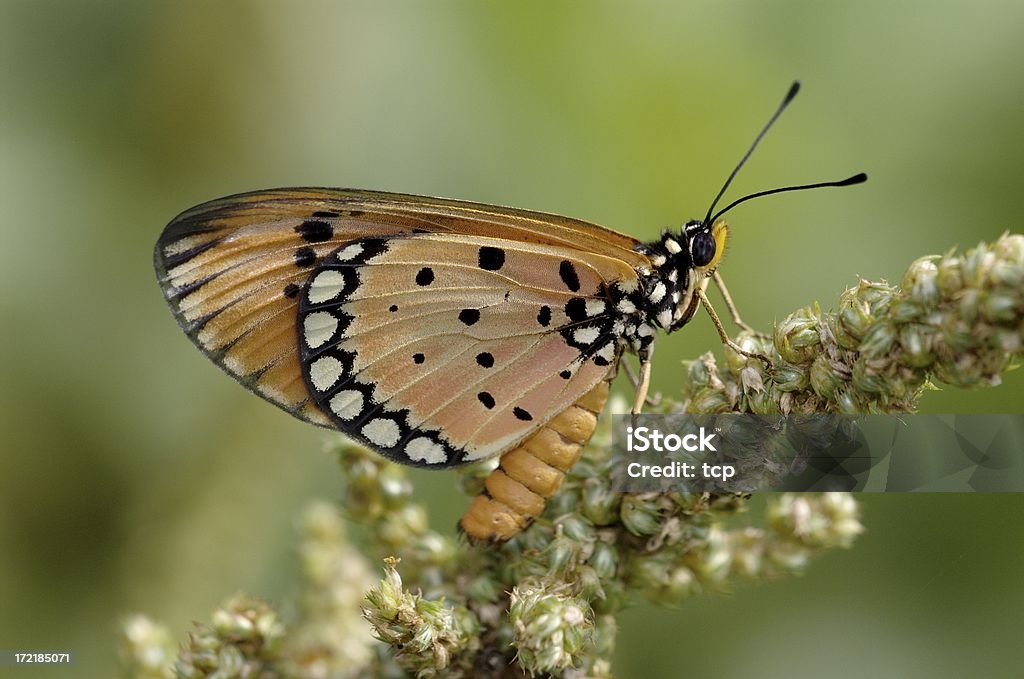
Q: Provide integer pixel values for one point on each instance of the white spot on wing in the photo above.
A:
(586, 335)
(626, 306)
(425, 450)
(324, 372)
(275, 395)
(318, 327)
(382, 432)
(658, 293)
(350, 252)
(629, 284)
(347, 404)
(182, 245)
(672, 246)
(607, 352)
(233, 365)
(665, 318)
(326, 286)
(595, 307)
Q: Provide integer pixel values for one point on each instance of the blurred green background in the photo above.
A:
(136, 476)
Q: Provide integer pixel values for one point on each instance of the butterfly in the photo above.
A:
(437, 332)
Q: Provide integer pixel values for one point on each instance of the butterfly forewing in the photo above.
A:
(442, 349)
(234, 271)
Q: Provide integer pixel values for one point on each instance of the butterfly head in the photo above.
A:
(681, 263)
(706, 243)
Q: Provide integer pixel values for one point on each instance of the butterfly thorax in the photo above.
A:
(681, 263)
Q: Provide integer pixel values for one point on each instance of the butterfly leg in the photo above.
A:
(634, 379)
(725, 337)
(645, 379)
(731, 306)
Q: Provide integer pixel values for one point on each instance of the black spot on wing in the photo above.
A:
(567, 272)
(576, 309)
(418, 358)
(291, 291)
(491, 259)
(425, 276)
(486, 399)
(544, 316)
(469, 316)
(305, 257)
(522, 414)
(485, 359)
(315, 230)
(598, 358)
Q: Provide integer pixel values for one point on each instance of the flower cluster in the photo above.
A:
(955, 319)
(545, 602)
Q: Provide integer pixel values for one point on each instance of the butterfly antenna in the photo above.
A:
(793, 89)
(859, 178)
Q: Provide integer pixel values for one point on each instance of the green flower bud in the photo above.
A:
(604, 560)
(949, 278)
(796, 337)
(561, 554)
(146, 647)
(916, 341)
(905, 311)
(589, 583)
(976, 266)
(600, 503)
(920, 281)
(697, 373)
(789, 377)
(551, 628)
(878, 341)
(640, 514)
(825, 379)
(576, 528)
(710, 401)
(1001, 307)
(957, 336)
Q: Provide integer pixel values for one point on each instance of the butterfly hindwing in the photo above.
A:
(441, 349)
(233, 270)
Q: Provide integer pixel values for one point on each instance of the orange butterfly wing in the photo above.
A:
(236, 270)
(445, 348)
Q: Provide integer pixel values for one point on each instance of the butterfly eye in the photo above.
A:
(703, 249)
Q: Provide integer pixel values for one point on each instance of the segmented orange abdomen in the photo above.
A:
(526, 476)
